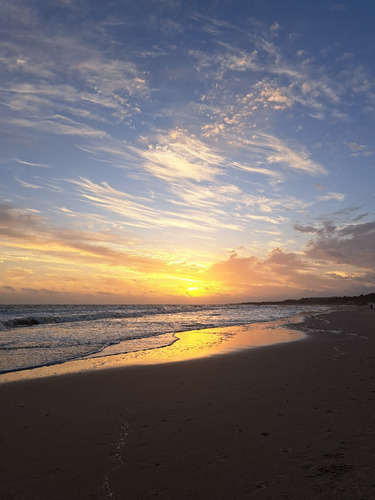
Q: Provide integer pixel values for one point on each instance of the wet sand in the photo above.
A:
(293, 420)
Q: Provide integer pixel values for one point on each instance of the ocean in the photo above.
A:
(34, 336)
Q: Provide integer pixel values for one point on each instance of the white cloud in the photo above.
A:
(142, 212)
(28, 185)
(228, 59)
(57, 125)
(278, 98)
(206, 197)
(50, 75)
(332, 196)
(178, 155)
(30, 164)
(266, 218)
(276, 151)
(359, 150)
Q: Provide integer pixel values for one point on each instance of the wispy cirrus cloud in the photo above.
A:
(332, 196)
(178, 156)
(276, 151)
(29, 185)
(259, 71)
(206, 197)
(84, 87)
(58, 125)
(145, 212)
(268, 151)
(30, 164)
(358, 150)
(230, 207)
(181, 156)
(85, 81)
(203, 208)
(193, 177)
(35, 234)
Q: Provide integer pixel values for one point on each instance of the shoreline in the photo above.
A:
(188, 345)
(291, 420)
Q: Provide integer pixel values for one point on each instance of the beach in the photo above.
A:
(293, 420)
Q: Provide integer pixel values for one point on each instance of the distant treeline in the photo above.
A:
(360, 300)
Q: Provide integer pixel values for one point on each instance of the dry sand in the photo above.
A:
(287, 421)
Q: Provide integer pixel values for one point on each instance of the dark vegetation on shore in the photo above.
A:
(360, 300)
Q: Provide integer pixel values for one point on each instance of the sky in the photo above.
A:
(180, 151)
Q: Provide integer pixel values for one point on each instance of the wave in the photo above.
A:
(69, 314)
(33, 336)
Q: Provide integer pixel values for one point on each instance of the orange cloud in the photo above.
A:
(284, 274)
(44, 263)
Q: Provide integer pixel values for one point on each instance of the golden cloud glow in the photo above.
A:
(41, 262)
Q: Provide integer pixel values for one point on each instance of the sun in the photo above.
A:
(190, 287)
(197, 290)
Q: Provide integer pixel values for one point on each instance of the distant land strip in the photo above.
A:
(360, 300)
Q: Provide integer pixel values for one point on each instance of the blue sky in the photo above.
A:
(175, 151)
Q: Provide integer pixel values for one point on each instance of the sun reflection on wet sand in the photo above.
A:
(190, 345)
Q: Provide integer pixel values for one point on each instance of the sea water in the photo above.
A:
(41, 335)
